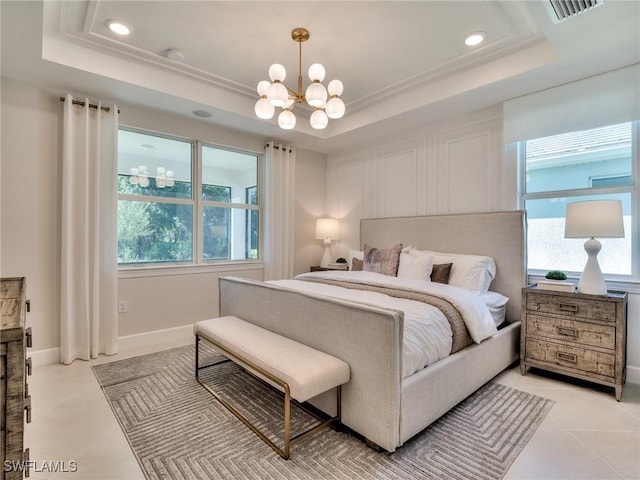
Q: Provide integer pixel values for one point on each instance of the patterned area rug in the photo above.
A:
(178, 430)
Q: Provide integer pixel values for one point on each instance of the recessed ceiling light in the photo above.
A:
(201, 113)
(118, 27)
(475, 39)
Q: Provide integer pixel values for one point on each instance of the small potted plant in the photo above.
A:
(556, 280)
(556, 275)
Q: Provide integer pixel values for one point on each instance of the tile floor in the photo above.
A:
(587, 435)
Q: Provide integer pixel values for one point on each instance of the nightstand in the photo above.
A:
(579, 335)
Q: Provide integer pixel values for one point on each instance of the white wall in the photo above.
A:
(30, 176)
(451, 167)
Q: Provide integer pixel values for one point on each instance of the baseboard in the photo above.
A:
(633, 375)
(44, 357)
(177, 335)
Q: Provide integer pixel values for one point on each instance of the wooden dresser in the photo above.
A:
(14, 368)
(583, 336)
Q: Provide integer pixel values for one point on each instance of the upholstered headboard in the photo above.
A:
(500, 235)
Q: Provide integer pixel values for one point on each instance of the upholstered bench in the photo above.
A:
(299, 371)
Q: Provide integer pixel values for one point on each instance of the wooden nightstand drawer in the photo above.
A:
(571, 306)
(591, 334)
(573, 358)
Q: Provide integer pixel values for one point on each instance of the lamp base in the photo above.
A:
(326, 256)
(592, 281)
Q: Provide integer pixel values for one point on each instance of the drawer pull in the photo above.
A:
(29, 337)
(26, 456)
(27, 408)
(567, 332)
(568, 307)
(28, 306)
(28, 366)
(567, 357)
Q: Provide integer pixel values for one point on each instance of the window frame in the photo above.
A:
(197, 262)
(631, 189)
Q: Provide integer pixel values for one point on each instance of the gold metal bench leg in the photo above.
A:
(257, 372)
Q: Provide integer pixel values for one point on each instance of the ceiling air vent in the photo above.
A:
(564, 9)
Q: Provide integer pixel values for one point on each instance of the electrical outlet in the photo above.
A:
(123, 306)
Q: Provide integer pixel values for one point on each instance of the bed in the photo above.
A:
(380, 403)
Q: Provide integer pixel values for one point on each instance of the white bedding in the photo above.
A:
(427, 333)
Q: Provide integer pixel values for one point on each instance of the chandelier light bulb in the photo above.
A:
(262, 88)
(277, 73)
(287, 120)
(335, 88)
(319, 120)
(335, 108)
(169, 182)
(316, 95)
(264, 109)
(277, 94)
(143, 180)
(316, 72)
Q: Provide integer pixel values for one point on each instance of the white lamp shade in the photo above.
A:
(327, 228)
(316, 95)
(263, 87)
(264, 109)
(286, 120)
(594, 218)
(277, 94)
(335, 87)
(277, 72)
(316, 72)
(335, 108)
(319, 120)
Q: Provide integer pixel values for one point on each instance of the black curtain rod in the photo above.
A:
(91, 105)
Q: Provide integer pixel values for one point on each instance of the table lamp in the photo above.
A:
(327, 229)
(590, 219)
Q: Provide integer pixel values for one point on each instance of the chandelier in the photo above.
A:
(140, 176)
(326, 102)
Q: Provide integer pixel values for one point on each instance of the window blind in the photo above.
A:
(606, 99)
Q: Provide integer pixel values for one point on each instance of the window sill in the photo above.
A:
(630, 286)
(187, 269)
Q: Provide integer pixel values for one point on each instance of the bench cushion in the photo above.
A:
(307, 371)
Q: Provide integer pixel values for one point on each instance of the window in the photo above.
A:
(181, 201)
(585, 165)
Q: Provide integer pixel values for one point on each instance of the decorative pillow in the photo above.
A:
(471, 272)
(358, 254)
(414, 267)
(440, 273)
(382, 260)
(356, 264)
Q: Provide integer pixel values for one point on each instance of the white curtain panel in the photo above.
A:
(89, 277)
(280, 170)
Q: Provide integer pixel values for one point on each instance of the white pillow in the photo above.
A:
(415, 267)
(359, 254)
(497, 305)
(471, 272)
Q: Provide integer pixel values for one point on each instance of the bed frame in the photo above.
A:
(378, 403)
